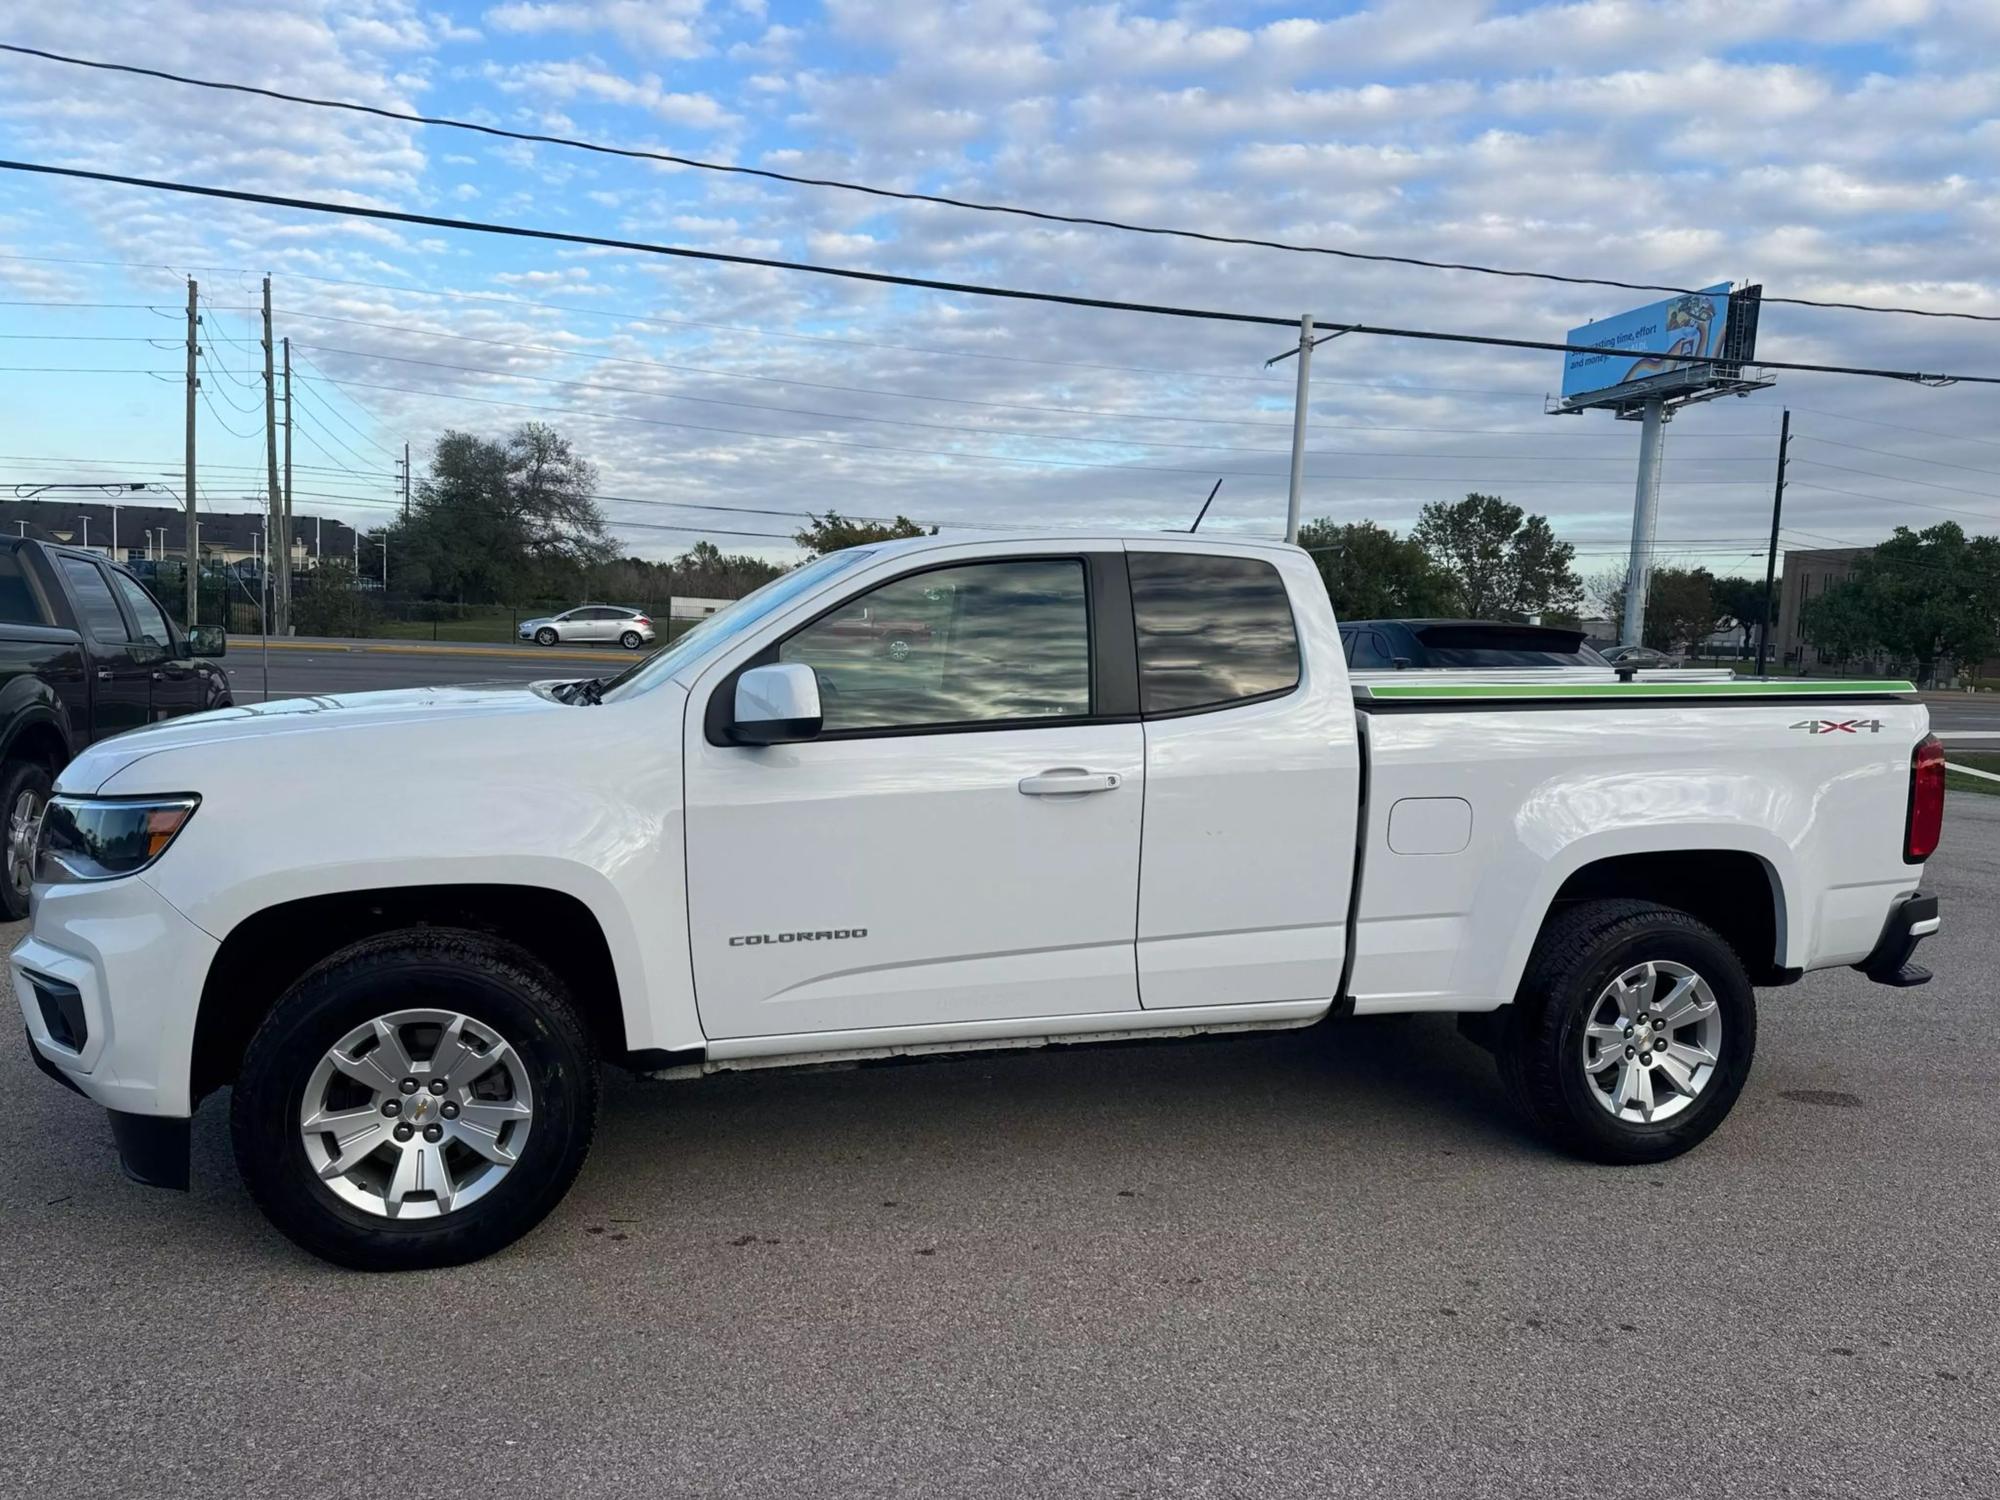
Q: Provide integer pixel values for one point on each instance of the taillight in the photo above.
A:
(641, 620)
(1926, 816)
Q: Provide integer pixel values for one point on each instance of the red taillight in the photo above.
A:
(1926, 819)
(641, 620)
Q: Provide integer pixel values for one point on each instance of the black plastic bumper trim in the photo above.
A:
(49, 1068)
(152, 1149)
(1890, 962)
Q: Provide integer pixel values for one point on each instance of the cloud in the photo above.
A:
(663, 28)
(591, 79)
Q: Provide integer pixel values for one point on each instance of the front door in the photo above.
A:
(177, 688)
(121, 682)
(961, 843)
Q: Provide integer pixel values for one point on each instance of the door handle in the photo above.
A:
(1069, 781)
(105, 674)
(159, 677)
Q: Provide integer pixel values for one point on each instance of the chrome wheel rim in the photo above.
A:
(416, 1114)
(23, 825)
(1652, 1042)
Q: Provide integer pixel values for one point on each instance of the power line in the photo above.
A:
(216, 412)
(1848, 416)
(1056, 463)
(1892, 453)
(942, 200)
(1976, 515)
(925, 283)
(996, 432)
(1929, 484)
(859, 390)
(346, 421)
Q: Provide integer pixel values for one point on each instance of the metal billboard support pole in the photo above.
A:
(1292, 498)
(1645, 520)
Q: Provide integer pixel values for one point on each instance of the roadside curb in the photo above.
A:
(421, 648)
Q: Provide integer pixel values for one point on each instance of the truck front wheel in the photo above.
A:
(25, 787)
(419, 1099)
(1632, 1032)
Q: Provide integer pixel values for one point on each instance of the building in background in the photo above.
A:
(1807, 575)
(160, 531)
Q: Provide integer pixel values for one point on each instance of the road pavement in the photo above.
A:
(1316, 1263)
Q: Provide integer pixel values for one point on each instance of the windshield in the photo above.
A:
(732, 621)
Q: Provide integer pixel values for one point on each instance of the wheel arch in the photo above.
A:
(1737, 887)
(271, 949)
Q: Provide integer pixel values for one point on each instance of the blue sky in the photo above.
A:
(1842, 149)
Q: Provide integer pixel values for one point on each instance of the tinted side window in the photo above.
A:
(152, 624)
(1368, 653)
(1212, 630)
(93, 597)
(988, 642)
(18, 602)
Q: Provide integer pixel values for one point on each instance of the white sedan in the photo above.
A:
(591, 623)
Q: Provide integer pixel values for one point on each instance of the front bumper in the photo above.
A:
(1911, 920)
(109, 983)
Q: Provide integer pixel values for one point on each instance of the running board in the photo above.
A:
(853, 1056)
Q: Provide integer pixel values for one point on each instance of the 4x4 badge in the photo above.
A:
(1839, 726)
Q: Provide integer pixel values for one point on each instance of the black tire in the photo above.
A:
(1541, 1037)
(490, 981)
(546, 636)
(19, 779)
(631, 640)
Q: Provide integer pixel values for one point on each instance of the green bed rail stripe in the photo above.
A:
(1782, 688)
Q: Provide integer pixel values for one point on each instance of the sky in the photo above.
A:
(1831, 149)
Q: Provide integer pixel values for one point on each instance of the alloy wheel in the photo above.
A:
(1651, 1042)
(416, 1114)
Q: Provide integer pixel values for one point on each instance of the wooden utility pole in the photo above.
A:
(285, 534)
(406, 483)
(1771, 558)
(193, 385)
(273, 511)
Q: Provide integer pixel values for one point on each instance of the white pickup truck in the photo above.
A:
(1112, 787)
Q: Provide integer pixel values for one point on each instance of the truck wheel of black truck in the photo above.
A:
(1632, 1032)
(25, 786)
(419, 1099)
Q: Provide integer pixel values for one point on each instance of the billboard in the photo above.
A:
(1652, 340)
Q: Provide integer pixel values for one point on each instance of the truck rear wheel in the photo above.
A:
(1632, 1033)
(419, 1099)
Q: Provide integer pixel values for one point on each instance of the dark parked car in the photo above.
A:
(1387, 645)
(85, 652)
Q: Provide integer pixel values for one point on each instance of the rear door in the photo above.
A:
(1253, 777)
(122, 677)
(177, 688)
(961, 842)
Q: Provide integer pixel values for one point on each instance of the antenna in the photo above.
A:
(1204, 508)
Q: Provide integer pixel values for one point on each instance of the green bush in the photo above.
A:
(330, 604)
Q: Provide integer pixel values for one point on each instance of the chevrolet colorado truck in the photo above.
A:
(1128, 790)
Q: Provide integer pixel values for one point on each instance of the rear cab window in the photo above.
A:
(1212, 631)
(20, 600)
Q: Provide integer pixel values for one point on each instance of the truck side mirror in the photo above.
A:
(776, 705)
(207, 640)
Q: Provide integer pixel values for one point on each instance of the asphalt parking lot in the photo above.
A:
(1314, 1263)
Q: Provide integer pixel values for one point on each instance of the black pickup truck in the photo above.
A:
(85, 652)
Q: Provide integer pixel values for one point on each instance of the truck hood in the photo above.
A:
(327, 713)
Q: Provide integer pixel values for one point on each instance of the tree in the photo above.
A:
(501, 520)
(832, 532)
(1682, 609)
(1922, 596)
(1372, 574)
(1507, 564)
(1744, 601)
(329, 603)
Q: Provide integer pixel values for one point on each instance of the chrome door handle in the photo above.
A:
(105, 674)
(159, 677)
(1069, 781)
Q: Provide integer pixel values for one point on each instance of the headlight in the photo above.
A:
(102, 838)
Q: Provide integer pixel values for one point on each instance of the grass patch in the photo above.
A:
(1956, 783)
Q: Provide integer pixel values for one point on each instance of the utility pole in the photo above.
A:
(385, 559)
(273, 511)
(1292, 495)
(1771, 557)
(285, 533)
(193, 385)
(406, 484)
(1645, 521)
